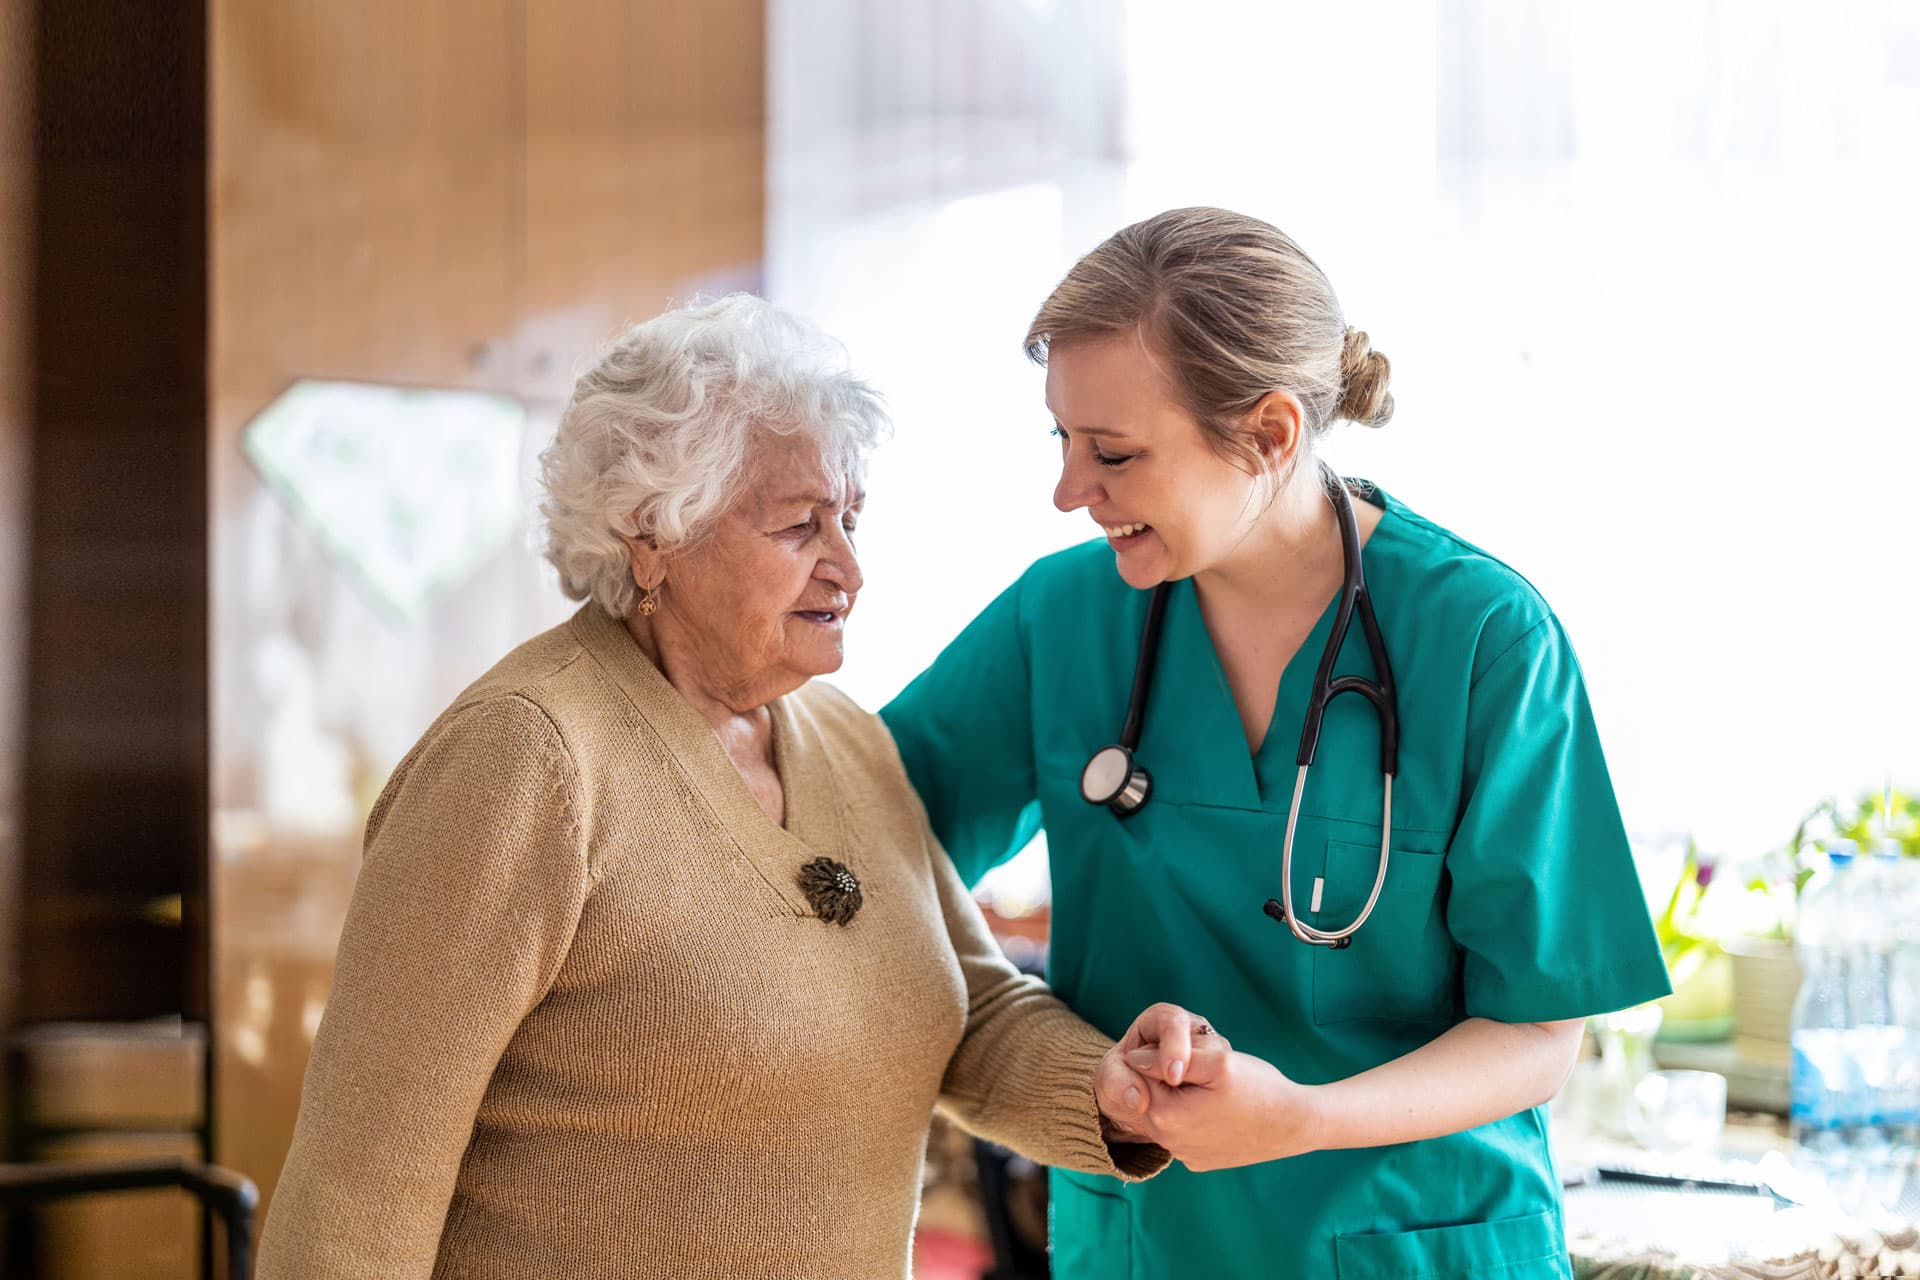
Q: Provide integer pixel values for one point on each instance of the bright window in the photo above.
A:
(1646, 272)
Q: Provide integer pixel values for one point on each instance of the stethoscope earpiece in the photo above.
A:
(1112, 779)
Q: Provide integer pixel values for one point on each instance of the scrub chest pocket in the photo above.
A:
(1401, 965)
(1524, 1248)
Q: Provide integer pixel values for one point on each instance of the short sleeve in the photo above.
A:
(1545, 902)
(965, 732)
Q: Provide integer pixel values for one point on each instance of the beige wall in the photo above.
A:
(16, 191)
(444, 194)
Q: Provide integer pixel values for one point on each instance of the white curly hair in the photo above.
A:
(655, 441)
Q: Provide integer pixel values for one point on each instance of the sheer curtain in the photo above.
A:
(1646, 274)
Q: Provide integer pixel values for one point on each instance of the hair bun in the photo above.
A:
(1364, 397)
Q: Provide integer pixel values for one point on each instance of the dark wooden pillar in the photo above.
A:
(16, 207)
(113, 875)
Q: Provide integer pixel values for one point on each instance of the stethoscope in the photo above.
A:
(1113, 779)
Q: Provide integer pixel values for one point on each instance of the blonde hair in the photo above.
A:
(1237, 309)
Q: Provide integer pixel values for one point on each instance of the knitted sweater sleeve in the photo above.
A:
(1023, 1074)
(474, 879)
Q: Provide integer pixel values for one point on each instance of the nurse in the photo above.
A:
(1384, 1114)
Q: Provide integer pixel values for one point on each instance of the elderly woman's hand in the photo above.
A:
(1165, 1045)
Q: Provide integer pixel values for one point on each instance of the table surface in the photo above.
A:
(1634, 1231)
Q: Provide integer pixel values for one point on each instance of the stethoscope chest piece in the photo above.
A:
(1111, 778)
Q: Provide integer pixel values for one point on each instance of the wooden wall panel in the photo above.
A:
(361, 153)
(645, 168)
(454, 193)
(361, 157)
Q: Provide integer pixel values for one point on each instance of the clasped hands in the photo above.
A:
(1176, 1081)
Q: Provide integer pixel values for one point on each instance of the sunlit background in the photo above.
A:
(1647, 274)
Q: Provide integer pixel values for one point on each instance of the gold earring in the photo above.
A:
(649, 601)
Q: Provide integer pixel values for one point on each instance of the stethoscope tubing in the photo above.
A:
(1143, 670)
(1337, 939)
(1128, 785)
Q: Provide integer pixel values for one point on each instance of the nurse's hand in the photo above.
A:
(1246, 1113)
(1166, 1045)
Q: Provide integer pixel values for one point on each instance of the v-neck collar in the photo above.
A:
(1201, 756)
(813, 822)
(805, 766)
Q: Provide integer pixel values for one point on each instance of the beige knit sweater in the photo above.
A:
(585, 1023)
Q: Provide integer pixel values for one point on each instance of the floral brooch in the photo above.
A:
(832, 890)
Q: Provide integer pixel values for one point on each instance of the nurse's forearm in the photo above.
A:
(1477, 1072)
(1244, 1111)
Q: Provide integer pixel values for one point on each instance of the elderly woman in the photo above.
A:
(654, 968)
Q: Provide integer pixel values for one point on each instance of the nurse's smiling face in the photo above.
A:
(1135, 460)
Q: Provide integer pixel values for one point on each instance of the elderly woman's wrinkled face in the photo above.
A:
(765, 597)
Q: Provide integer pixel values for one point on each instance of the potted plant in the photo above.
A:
(1701, 1007)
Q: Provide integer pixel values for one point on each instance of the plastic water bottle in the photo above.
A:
(1872, 1034)
(1903, 986)
(1823, 1080)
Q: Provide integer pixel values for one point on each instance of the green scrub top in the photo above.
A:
(1510, 894)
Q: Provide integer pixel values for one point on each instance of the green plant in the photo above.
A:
(1701, 1006)
(1876, 820)
(1683, 943)
(1779, 894)
(1872, 822)
(1880, 819)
